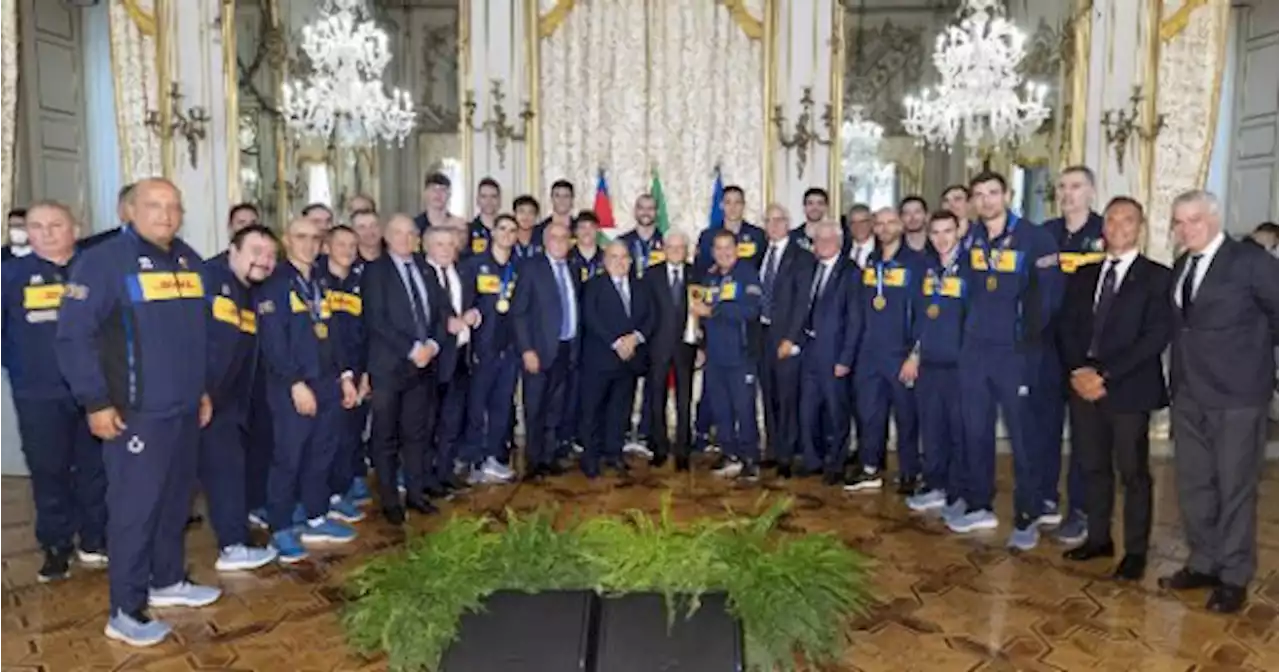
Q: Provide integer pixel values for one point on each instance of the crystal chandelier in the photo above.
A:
(343, 98)
(860, 157)
(978, 91)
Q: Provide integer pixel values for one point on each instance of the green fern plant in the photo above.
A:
(794, 594)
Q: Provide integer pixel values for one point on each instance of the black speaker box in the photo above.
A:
(634, 636)
(522, 632)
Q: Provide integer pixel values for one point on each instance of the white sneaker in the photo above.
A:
(494, 469)
(241, 558)
(731, 469)
(183, 594)
(637, 448)
(91, 558)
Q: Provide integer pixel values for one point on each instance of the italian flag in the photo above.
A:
(603, 206)
(660, 201)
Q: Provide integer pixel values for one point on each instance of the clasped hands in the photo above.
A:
(1088, 383)
(469, 319)
(626, 346)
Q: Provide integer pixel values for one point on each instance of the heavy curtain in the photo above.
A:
(9, 106)
(1193, 57)
(133, 59)
(630, 86)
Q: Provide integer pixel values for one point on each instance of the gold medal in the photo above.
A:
(503, 306)
(992, 283)
(879, 302)
(933, 311)
(322, 330)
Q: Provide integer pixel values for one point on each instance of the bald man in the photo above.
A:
(132, 316)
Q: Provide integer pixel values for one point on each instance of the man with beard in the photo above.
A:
(644, 243)
(488, 201)
(232, 359)
(816, 206)
(914, 213)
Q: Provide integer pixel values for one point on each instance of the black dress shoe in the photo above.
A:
(1226, 599)
(394, 515)
(1188, 579)
(1090, 551)
(682, 464)
(1131, 568)
(554, 469)
(421, 506)
(658, 460)
(784, 471)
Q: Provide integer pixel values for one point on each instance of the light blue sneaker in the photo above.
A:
(953, 510)
(241, 558)
(927, 501)
(345, 510)
(138, 632)
(258, 519)
(183, 594)
(359, 491)
(325, 531)
(1074, 530)
(288, 547)
(1050, 515)
(974, 521)
(1025, 538)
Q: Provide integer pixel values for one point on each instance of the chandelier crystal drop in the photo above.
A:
(861, 138)
(980, 94)
(343, 99)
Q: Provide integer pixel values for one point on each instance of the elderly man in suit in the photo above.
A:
(1222, 378)
(617, 321)
(1116, 322)
(672, 351)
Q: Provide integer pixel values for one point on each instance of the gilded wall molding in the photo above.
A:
(1179, 20)
(1081, 47)
(549, 22)
(770, 86)
(835, 169)
(9, 93)
(144, 20)
(750, 25)
(136, 88)
(231, 91)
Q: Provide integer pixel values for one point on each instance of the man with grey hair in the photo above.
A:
(1224, 297)
(672, 351)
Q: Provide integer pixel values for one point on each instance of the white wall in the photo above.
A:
(1251, 184)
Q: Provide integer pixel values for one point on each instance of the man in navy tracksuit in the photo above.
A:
(730, 318)
(67, 476)
(340, 280)
(1078, 233)
(883, 378)
(131, 318)
(488, 202)
(232, 359)
(939, 310)
(310, 381)
(1011, 268)
(495, 365)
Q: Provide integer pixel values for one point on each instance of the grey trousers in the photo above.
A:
(1218, 457)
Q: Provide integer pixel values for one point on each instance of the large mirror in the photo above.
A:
(282, 172)
(888, 48)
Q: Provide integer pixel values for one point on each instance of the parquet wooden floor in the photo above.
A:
(943, 602)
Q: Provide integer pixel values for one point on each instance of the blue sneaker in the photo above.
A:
(1025, 538)
(288, 547)
(137, 630)
(258, 519)
(183, 594)
(241, 558)
(953, 510)
(299, 514)
(323, 530)
(1050, 515)
(1074, 530)
(927, 501)
(344, 510)
(974, 521)
(359, 491)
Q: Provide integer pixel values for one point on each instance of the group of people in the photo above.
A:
(273, 375)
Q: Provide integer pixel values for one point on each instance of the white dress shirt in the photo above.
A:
(454, 288)
(1121, 264)
(859, 252)
(1202, 267)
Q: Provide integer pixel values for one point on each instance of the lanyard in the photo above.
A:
(311, 295)
(994, 254)
(642, 251)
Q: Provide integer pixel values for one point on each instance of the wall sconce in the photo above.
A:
(497, 122)
(1122, 125)
(192, 125)
(804, 134)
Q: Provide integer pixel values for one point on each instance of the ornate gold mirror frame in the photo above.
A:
(231, 84)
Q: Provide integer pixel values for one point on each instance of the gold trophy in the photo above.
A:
(696, 293)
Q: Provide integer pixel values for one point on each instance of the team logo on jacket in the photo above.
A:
(135, 444)
(145, 263)
(182, 261)
(36, 280)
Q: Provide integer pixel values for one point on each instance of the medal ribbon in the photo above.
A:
(994, 254)
(310, 292)
(508, 275)
(880, 279)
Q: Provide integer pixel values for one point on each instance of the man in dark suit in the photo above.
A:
(785, 276)
(1115, 323)
(673, 351)
(617, 323)
(832, 306)
(545, 308)
(405, 327)
(1222, 377)
(442, 246)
